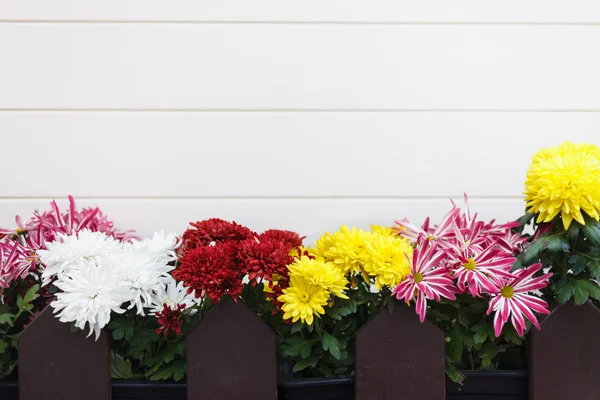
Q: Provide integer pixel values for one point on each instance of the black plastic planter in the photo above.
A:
(493, 385)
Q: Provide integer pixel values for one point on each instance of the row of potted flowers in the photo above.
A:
(483, 283)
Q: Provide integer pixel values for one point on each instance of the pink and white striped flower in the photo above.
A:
(427, 279)
(482, 271)
(514, 301)
(15, 262)
(417, 235)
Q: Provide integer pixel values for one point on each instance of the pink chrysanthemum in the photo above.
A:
(514, 301)
(482, 271)
(427, 280)
(20, 244)
(15, 262)
(417, 235)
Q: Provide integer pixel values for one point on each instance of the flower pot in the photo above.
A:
(480, 385)
(489, 385)
(316, 389)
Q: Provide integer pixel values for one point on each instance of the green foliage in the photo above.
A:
(470, 341)
(326, 348)
(138, 351)
(573, 258)
(22, 301)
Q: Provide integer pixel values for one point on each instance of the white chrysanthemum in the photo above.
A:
(89, 294)
(172, 294)
(162, 245)
(69, 252)
(143, 274)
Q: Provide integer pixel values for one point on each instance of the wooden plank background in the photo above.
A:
(283, 114)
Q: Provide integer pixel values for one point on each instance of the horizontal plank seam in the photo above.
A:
(290, 22)
(185, 198)
(300, 110)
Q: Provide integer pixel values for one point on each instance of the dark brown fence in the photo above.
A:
(231, 355)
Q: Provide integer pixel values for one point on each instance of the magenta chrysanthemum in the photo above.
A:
(514, 301)
(427, 280)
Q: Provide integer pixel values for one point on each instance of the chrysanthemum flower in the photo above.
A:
(262, 257)
(289, 237)
(347, 249)
(170, 319)
(89, 293)
(211, 270)
(303, 300)
(480, 271)
(515, 302)
(427, 280)
(565, 180)
(417, 235)
(386, 259)
(15, 261)
(216, 230)
(71, 251)
(320, 273)
(322, 245)
(35, 233)
(143, 274)
(172, 294)
(162, 246)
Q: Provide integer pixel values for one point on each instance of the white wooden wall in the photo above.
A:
(292, 114)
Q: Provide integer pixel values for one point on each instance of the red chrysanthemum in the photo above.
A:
(211, 270)
(292, 238)
(203, 233)
(170, 320)
(262, 258)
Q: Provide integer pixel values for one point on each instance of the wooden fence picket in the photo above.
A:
(231, 355)
(563, 362)
(57, 364)
(398, 357)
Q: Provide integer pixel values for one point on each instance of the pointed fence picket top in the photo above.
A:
(565, 354)
(398, 357)
(231, 355)
(57, 364)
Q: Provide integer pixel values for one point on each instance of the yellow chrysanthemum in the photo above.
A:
(566, 180)
(320, 273)
(382, 230)
(385, 259)
(303, 300)
(347, 249)
(322, 245)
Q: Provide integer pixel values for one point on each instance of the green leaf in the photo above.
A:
(455, 346)
(591, 230)
(120, 368)
(31, 294)
(580, 289)
(578, 263)
(339, 313)
(553, 243)
(482, 332)
(297, 327)
(175, 370)
(297, 347)
(564, 291)
(305, 363)
(591, 288)
(332, 345)
(525, 219)
(122, 328)
(453, 373)
(391, 304)
(594, 268)
(3, 346)
(6, 318)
